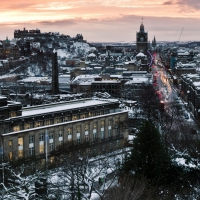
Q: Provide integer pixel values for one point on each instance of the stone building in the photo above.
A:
(23, 131)
(190, 91)
(8, 50)
(142, 40)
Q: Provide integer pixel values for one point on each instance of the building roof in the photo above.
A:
(63, 106)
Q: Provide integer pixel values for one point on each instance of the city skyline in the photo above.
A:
(104, 21)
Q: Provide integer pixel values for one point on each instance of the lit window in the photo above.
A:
(20, 141)
(16, 128)
(10, 143)
(10, 156)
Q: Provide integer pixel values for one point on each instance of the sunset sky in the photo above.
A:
(104, 20)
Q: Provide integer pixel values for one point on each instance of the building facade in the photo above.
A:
(23, 131)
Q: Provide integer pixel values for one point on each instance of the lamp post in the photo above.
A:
(188, 94)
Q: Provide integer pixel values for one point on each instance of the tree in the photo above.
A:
(19, 184)
(148, 157)
(79, 177)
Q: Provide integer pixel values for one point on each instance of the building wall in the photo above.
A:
(61, 134)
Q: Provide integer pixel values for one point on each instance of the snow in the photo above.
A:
(94, 196)
(59, 107)
(91, 55)
(183, 162)
(140, 55)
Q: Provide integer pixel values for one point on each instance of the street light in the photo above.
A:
(188, 94)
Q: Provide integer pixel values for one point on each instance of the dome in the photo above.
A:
(140, 55)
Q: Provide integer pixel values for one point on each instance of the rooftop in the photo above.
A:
(63, 106)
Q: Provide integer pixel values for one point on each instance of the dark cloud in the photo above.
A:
(65, 22)
(191, 3)
(168, 3)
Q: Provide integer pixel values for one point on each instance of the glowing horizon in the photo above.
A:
(103, 20)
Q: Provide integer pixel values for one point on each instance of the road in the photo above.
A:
(169, 93)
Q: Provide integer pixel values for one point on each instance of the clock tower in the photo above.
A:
(142, 40)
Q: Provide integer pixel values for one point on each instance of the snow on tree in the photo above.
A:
(80, 176)
(19, 185)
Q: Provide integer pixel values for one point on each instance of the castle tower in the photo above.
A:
(55, 84)
(142, 40)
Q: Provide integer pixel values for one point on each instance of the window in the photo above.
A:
(41, 148)
(27, 126)
(78, 129)
(10, 156)
(83, 116)
(102, 135)
(41, 137)
(16, 128)
(41, 143)
(69, 130)
(31, 151)
(47, 122)
(57, 120)
(86, 127)
(31, 139)
(10, 143)
(60, 133)
(102, 130)
(78, 136)
(109, 133)
(94, 136)
(102, 124)
(74, 117)
(51, 146)
(37, 124)
(50, 136)
(20, 141)
(13, 114)
(86, 138)
(117, 143)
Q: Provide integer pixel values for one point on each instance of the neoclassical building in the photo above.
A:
(23, 130)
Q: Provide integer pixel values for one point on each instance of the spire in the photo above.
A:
(142, 26)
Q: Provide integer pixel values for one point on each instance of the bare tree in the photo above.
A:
(80, 176)
(19, 185)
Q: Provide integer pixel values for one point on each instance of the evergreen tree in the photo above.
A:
(148, 157)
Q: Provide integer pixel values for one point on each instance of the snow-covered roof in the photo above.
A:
(91, 55)
(140, 55)
(63, 106)
(138, 80)
(34, 79)
(85, 77)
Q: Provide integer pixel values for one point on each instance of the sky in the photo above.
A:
(104, 20)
